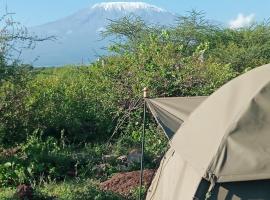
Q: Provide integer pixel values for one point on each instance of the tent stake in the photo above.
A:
(145, 95)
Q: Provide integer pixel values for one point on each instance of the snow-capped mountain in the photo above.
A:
(131, 6)
(78, 35)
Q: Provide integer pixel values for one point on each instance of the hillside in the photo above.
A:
(79, 37)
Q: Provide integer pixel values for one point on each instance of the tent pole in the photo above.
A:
(145, 95)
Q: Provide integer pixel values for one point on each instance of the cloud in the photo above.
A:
(242, 21)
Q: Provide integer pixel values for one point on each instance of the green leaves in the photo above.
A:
(78, 105)
(7, 164)
(37, 161)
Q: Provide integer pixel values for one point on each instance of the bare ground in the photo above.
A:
(124, 183)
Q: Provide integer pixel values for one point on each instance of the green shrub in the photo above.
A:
(7, 193)
(36, 161)
(82, 190)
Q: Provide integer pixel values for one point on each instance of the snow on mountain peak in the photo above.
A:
(129, 6)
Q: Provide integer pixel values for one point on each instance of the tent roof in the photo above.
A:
(228, 135)
(171, 112)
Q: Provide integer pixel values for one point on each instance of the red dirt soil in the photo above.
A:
(124, 183)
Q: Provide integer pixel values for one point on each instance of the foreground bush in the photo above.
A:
(78, 191)
(83, 190)
(35, 162)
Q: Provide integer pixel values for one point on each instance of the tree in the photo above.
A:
(14, 75)
(14, 37)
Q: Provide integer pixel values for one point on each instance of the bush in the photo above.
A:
(88, 104)
(55, 101)
(36, 162)
(78, 109)
(86, 190)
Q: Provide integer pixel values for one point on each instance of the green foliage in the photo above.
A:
(42, 160)
(14, 77)
(155, 145)
(136, 192)
(64, 100)
(87, 190)
(13, 93)
(88, 104)
(7, 194)
(91, 162)
(35, 162)
(85, 113)
(55, 101)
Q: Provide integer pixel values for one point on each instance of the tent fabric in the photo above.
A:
(224, 141)
(228, 134)
(171, 112)
(175, 179)
(255, 190)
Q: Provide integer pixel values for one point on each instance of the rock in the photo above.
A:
(122, 159)
(108, 158)
(24, 192)
(134, 156)
(122, 163)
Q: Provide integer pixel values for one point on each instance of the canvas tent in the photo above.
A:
(171, 112)
(222, 150)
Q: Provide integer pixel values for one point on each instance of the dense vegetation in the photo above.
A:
(56, 124)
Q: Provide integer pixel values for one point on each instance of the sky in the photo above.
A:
(234, 13)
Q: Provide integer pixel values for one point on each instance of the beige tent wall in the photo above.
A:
(228, 134)
(246, 152)
(225, 140)
(175, 179)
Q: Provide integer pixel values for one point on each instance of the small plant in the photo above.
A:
(36, 162)
(135, 193)
(77, 190)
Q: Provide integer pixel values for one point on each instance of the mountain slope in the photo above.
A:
(78, 35)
